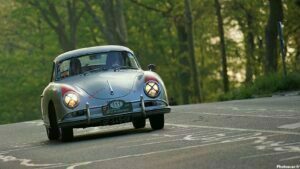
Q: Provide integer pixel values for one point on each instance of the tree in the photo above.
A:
(271, 32)
(191, 48)
(222, 46)
(113, 26)
(292, 32)
(246, 15)
(66, 30)
(188, 73)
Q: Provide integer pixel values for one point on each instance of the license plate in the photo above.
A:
(116, 106)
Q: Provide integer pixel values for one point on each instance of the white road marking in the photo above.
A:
(218, 138)
(18, 149)
(290, 158)
(155, 142)
(162, 136)
(255, 109)
(290, 126)
(288, 110)
(237, 129)
(151, 143)
(262, 155)
(223, 140)
(142, 154)
(246, 115)
(36, 122)
(23, 161)
(292, 143)
(143, 140)
(240, 109)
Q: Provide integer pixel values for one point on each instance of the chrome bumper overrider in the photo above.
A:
(143, 106)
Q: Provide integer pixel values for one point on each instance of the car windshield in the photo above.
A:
(95, 62)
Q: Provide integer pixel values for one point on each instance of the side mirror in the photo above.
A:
(151, 67)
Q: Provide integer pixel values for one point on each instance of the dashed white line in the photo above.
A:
(262, 155)
(245, 115)
(237, 129)
(290, 126)
(290, 158)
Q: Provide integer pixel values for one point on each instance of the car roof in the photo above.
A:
(90, 50)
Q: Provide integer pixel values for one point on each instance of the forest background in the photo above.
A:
(204, 50)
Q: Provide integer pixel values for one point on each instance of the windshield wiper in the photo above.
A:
(126, 67)
(95, 70)
(98, 69)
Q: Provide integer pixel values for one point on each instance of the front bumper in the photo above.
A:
(93, 116)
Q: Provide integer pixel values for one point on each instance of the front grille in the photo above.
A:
(150, 103)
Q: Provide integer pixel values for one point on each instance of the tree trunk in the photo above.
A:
(260, 56)
(67, 34)
(184, 73)
(121, 22)
(271, 32)
(191, 48)
(114, 30)
(73, 22)
(297, 56)
(222, 46)
(249, 44)
(186, 53)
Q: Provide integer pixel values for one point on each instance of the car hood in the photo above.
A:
(108, 85)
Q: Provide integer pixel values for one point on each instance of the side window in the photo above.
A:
(132, 60)
(63, 69)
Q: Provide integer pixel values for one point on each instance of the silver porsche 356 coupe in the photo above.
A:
(99, 86)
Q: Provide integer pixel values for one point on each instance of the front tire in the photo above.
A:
(66, 134)
(52, 133)
(139, 123)
(157, 122)
(52, 130)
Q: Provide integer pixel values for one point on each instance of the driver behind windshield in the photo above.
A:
(75, 67)
(114, 60)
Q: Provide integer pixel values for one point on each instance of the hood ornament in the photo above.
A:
(110, 88)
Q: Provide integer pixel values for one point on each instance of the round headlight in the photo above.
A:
(152, 89)
(71, 100)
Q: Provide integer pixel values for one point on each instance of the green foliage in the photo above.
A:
(28, 46)
(265, 86)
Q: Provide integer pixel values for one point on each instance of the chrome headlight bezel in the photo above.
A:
(71, 99)
(152, 89)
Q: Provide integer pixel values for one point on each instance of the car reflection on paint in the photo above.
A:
(98, 86)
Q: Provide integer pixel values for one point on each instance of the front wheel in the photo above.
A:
(157, 121)
(139, 123)
(52, 133)
(52, 129)
(66, 134)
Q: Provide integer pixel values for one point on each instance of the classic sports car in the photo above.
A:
(98, 86)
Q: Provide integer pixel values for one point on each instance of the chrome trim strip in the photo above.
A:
(110, 88)
(88, 113)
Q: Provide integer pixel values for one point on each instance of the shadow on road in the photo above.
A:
(101, 135)
(110, 134)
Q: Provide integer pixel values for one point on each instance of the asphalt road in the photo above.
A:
(256, 133)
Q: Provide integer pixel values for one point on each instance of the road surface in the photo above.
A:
(256, 133)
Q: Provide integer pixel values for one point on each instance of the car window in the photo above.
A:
(97, 61)
(94, 59)
(132, 60)
(63, 69)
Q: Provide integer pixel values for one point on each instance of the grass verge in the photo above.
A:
(264, 86)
